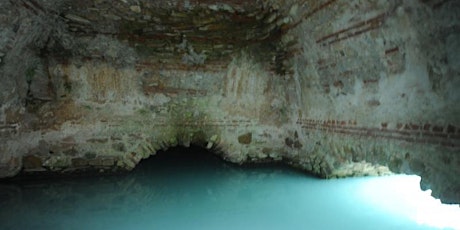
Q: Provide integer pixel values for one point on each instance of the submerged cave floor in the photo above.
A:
(188, 188)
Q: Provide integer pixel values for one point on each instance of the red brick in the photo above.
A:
(414, 126)
(447, 144)
(426, 127)
(438, 129)
(450, 129)
(369, 81)
(393, 50)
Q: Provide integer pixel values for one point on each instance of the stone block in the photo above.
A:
(79, 162)
(32, 162)
(107, 162)
(245, 139)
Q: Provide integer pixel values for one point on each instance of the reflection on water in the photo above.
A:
(181, 190)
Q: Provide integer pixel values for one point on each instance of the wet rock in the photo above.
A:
(79, 162)
(359, 169)
(32, 162)
(10, 168)
(128, 164)
(417, 166)
(212, 141)
(95, 162)
(58, 162)
(108, 162)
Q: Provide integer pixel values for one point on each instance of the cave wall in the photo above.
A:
(378, 82)
(337, 88)
(106, 85)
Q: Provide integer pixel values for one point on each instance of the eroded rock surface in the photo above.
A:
(337, 88)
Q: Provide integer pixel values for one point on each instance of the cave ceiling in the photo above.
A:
(180, 34)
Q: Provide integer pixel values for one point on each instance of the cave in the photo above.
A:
(333, 88)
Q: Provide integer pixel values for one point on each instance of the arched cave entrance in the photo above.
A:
(181, 157)
(181, 163)
(198, 165)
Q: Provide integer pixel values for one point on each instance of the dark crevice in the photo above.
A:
(195, 158)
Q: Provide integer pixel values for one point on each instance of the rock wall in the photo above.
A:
(377, 81)
(338, 88)
(114, 88)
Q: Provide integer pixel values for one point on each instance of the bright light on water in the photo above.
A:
(189, 192)
(401, 195)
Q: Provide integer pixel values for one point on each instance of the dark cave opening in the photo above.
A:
(193, 157)
(195, 162)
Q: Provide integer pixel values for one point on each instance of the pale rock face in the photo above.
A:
(341, 88)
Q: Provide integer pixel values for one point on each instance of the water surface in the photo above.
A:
(189, 189)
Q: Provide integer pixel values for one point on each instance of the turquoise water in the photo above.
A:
(188, 189)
